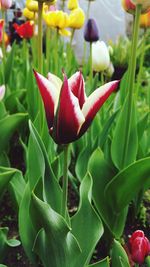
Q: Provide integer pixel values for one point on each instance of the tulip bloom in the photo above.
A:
(32, 5)
(76, 18)
(139, 247)
(100, 56)
(57, 19)
(25, 30)
(2, 91)
(128, 6)
(91, 31)
(1, 29)
(72, 4)
(5, 4)
(145, 20)
(28, 14)
(69, 111)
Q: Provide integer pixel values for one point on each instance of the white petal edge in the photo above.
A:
(95, 96)
(2, 91)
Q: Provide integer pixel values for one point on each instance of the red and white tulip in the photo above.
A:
(69, 111)
(2, 91)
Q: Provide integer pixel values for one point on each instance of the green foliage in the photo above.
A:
(5, 242)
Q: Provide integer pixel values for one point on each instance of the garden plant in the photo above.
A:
(74, 139)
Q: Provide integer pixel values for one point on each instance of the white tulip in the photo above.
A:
(110, 70)
(2, 91)
(100, 56)
(1, 53)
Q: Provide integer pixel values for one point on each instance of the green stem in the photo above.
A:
(72, 35)
(48, 31)
(40, 37)
(131, 77)
(63, 5)
(88, 10)
(102, 78)
(25, 49)
(141, 63)
(65, 182)
(56, 52)
(91, 70)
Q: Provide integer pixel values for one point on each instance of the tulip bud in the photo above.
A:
(2, 92)
(91, 31)
(139, 247)
(100, 56)
(32, 5)
(5, 4)
(76, 18)
(72, 4)
(1, 53)
(145, 20)
(128, 6)
(110, 70)
(28, 14)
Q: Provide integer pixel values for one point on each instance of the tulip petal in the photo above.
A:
(69, 117)
(95, 101)
(77, 86)
(49, 95)
(55, 80)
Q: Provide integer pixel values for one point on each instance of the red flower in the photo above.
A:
(25, 30)
(1, 29)
(139, 247)
(69, 111)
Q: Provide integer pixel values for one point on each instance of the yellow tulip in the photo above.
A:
(28, 14)
(72, 4)
(65, 32)
(76, 18)
(32, 5)
(145, 20)
(57, 19)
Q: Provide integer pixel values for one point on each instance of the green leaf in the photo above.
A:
(124, 152)
(82, 162)
(102, 174)
(9, 64)
(17, 187)
(2, 265)
(102, 263)
(6, 174)
(127, 183)
(86, 225)
(13, 243)
(3, 111)
(106, 128)
(26, 230)
(54, 244)
(51, 189)
(6, 243)
(8, 126)
(119, 256)
(143, 123)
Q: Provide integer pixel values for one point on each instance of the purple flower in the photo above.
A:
(91, 33)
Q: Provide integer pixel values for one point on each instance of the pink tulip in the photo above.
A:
(6, 4)
(69, 111)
